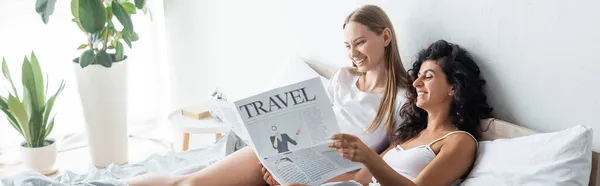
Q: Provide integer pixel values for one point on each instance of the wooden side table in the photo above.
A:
(194, 126)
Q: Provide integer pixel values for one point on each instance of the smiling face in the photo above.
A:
(433, 89)
(365, 48)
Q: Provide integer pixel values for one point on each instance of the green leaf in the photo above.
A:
(50, 127)
(140, 4)
(118, 36)
(12, 120)
(46, 89)
(49, 106)
(86, 58)
(103, 58)
(3, 102)
(109, 13)
(76, 20)
(111, 25)
(17, 109)
(45, 8)
(126, 36)
(111, 28)
(6, 73)
(126, 39)
(31, 97)
(37, 128)
(92, 15)
(75, 8)
(123, 17)
(119, 54)
(129, 8)
(50, 102)
(27, 101)
(82, 46)
(134, 36)
(39, 80)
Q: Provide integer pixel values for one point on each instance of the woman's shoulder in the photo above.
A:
(461, 139)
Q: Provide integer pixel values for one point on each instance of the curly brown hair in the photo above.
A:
(469, 104)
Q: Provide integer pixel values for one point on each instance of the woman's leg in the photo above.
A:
(239, 168)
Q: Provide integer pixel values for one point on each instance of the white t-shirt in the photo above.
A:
(355, 110)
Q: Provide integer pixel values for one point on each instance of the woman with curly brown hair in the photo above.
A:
(437, 141)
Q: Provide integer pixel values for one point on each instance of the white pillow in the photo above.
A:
(558, 158)
(294, 71)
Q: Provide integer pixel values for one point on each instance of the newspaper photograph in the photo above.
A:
(289, 128)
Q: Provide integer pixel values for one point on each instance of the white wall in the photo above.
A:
(55, 45)
(539, 57)
(238, 45)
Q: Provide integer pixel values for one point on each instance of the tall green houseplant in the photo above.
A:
(101, 72)
(29, 114)
(97, 20)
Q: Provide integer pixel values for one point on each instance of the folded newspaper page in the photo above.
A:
(289, 129)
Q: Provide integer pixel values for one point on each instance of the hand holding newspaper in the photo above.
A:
(289, 128)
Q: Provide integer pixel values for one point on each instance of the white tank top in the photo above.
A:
(407, 162)
(355, 109)
(410, 162)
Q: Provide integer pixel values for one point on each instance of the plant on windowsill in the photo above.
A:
(30, 115)
(101, 71)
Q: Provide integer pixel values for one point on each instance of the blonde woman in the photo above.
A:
(366, 99)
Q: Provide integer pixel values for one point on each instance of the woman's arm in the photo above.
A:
(455, 158)
(352, 148)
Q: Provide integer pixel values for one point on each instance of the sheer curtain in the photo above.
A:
(22, 31)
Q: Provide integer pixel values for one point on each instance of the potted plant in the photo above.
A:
(30, 115)
(101, 71)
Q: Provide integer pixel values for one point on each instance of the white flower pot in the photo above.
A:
(40, 159)
(103, 93)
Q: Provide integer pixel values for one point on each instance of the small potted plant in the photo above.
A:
(30, 115)
(101, 71)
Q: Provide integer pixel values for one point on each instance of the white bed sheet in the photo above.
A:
(176, 163)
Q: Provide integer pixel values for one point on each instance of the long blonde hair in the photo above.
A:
(377, 20)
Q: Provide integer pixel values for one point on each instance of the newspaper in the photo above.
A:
(289, 128)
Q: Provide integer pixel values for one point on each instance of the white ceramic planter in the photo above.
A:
(103, 93)
(40, 159)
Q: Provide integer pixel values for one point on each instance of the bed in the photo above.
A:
(585, 170)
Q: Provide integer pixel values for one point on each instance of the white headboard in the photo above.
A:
(321, 68)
